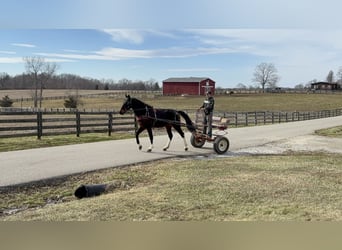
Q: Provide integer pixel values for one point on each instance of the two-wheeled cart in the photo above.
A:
(218, 138)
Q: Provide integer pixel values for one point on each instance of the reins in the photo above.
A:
(155, 118)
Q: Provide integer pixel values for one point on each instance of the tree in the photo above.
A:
(339, 75)
(3, 78)
(299, 86)
(40, 71)
(241, 86)
(156, 86)
(330, 77)
(266, 74)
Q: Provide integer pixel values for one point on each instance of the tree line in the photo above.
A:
(266, 76)
(41, 74)
(71, 81)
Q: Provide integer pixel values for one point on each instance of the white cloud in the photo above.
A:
(7, 52)
(26, 45)
(118, 53)
(294, 45)
(58, 60)
(11, 60)
(126, 35)
(136, 36)
(121, 54)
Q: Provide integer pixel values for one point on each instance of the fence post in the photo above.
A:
(78, 123)
(264, 117)
(272, 117)
(39, 125)
(236, 119)
(110, 123)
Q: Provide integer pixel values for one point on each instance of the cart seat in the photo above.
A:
(221, 123)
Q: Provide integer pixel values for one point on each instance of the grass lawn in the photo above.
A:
(331, 132)
(21, 143)
(253, 188)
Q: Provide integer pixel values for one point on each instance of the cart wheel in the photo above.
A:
(221, 144)
(197, 142)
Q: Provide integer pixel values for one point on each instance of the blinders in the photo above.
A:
(126, 106)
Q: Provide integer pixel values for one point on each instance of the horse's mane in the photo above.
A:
(140, 103)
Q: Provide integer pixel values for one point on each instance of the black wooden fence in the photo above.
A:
(17, 123)
(271, 117)
(39, 123)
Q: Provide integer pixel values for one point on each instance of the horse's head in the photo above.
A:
(127, 105)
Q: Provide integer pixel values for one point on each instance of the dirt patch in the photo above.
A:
(306, 143)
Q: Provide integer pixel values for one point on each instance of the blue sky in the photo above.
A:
(223, 40)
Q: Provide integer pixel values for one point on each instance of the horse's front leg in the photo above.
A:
(150, 134)
(141, 129)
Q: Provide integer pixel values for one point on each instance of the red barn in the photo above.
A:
(188, 86)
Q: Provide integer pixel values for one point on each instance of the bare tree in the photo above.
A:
(41, 71)
(339, 76)
(330, 77)
(241, 86)
(3, 78)
(266, 74)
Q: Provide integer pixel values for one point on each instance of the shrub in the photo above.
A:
(71, 102)
(6, 102)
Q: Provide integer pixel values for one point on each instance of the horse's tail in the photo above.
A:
(189, 124)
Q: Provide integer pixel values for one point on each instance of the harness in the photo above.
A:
(148, 115)
(153, 116)
(151, 113)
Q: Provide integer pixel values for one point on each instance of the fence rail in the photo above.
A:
(39, 123)
(238, 119)
(17, 123)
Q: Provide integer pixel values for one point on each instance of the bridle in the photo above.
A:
(127, 106)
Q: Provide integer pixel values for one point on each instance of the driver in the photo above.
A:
(208, 108)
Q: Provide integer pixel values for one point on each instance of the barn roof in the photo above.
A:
(186, 79)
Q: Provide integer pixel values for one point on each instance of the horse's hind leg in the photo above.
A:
(150, 134)
(180, 131)
(169, 132)
(141, 129)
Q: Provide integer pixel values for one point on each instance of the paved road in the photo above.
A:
(35, 164)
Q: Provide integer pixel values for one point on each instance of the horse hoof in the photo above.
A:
(149, 150)
(140, 147)
(164, 149)
(186, 149)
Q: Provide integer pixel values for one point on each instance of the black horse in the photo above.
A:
(148, 118)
